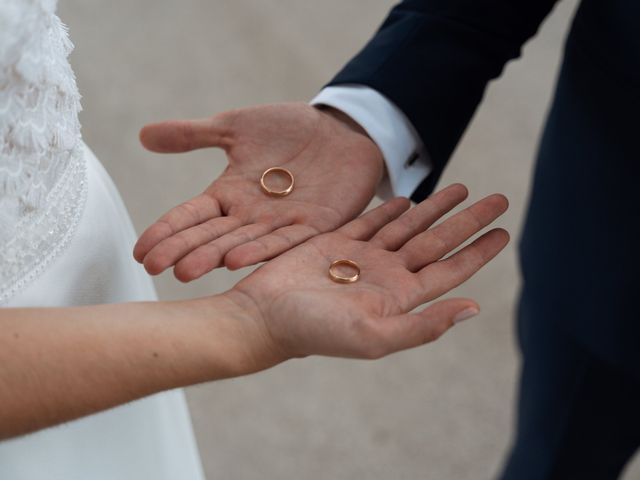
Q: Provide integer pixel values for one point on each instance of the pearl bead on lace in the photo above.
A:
(43, 178)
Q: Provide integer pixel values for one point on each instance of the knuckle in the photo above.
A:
(473, 217)
(211, 253)
(475, 257)
(436, 332)
(375, 352)
(282, 237)
(391, 236)
(431, 335)
(409, 222)
(371, 342)
(438, 243)
(262, 243)
(162, 228)
(268, 218)
(190, 210)
(179, 242)
(245, 237)
(364, 224)
(468, 261)
(388, 213)
(188, 133)
(210, 230)
(438, 203)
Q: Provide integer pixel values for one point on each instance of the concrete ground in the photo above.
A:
(443, 412)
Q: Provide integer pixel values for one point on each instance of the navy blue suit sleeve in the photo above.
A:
(434, 58)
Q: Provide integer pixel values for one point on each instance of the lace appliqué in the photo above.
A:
(39, 241)
(43, 178)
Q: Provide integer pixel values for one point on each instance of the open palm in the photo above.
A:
(402, 264)
(336, 170)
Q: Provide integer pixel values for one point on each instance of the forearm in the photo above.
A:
(433, 59)
(64, 363)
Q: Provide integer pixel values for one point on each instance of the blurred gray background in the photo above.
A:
(441, 412)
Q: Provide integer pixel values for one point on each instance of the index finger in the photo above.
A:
(192, 212)
(366, 225)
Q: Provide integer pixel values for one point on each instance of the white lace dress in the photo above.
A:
(66, 239)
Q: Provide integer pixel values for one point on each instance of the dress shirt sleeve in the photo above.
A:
(406, 159)
(433, 60)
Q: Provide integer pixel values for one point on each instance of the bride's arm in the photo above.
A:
(57, 364)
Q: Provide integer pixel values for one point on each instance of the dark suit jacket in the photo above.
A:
(434, 58)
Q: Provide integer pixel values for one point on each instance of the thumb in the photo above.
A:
(177, 136)
(410, 330)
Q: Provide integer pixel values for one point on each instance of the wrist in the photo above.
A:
(344, 122)
(343, 119)
(239, 335)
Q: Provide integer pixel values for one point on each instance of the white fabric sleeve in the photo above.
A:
(407, 161)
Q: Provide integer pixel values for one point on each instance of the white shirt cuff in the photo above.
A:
(407, 161)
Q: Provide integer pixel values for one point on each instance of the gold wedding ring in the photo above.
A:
(336, 277)
(276, 193)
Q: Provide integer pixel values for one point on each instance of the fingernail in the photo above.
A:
(465, 314)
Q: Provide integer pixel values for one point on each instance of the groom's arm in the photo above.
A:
(415, 86)
(425, 71)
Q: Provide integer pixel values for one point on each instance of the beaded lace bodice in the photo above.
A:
(42, 169)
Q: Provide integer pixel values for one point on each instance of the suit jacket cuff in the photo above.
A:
(404, 154)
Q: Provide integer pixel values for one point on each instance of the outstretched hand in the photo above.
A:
(403, 264)
(336, 166)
